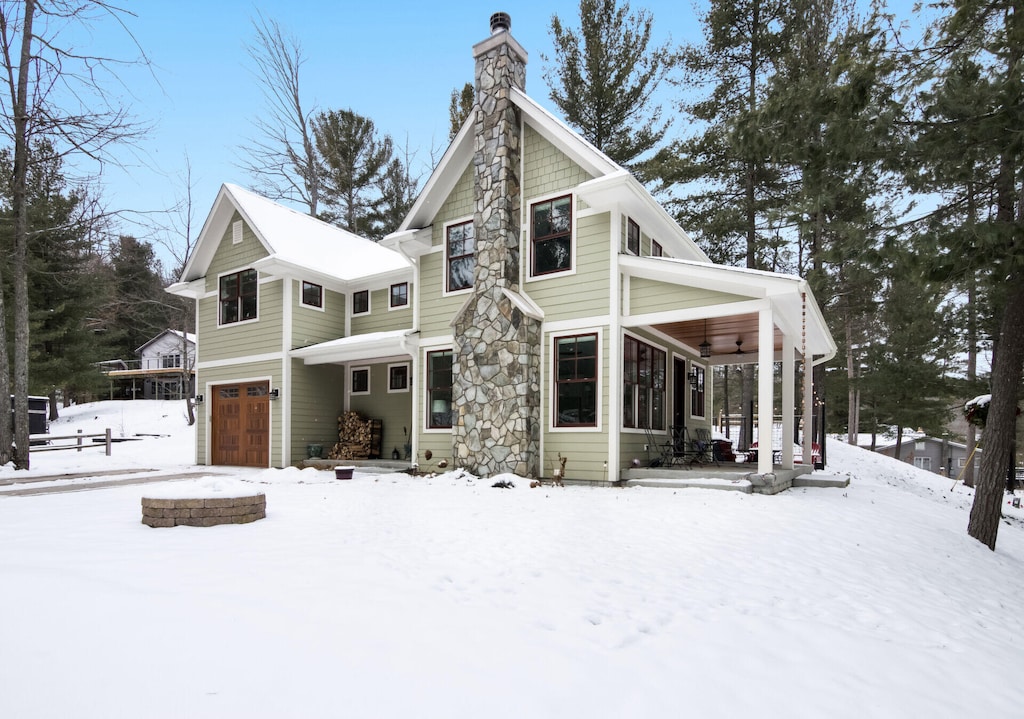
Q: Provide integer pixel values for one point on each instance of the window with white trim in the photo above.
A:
(361, 302)
(697, 390)
(398, 378)
(399, 294)
(923, 463)
(643, 385)
(576, 381)
(460, 254)
(632, 237)
(312, 295)
(439, 389)
(360, 380)
(238, 297)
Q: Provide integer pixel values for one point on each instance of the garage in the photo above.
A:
(241, 424)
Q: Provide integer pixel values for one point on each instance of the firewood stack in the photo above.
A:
(354, 437)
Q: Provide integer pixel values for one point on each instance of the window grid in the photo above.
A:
(633, 237)
(643, 392)
(551, 235)
(361, 302)
(400, 294)
(238, 297)
(461, 250)
(439, 389)
(312, 294)
(576, 381)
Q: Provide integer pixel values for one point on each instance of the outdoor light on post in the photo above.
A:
(705, 346)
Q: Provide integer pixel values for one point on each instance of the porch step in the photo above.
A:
(821, 480)
(734, 485)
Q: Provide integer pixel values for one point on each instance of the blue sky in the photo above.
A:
(396, 62)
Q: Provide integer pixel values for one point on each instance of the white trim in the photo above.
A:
(259, 281)
(427, 429)
(323, 295)
(287, 288)
(528, 228)
(689, 390)
(563, 325)
(438, 341)
(351, 382)
(552, 337)
(408, 296)
(408, 378)
(622, 384)
(236, 232)
(445, 292)
(208, 404)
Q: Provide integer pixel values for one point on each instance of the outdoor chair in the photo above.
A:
(703, 448)
(660, 446)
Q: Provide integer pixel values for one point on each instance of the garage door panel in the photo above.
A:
(241, 425)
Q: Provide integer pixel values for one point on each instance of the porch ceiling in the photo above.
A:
(722, 333)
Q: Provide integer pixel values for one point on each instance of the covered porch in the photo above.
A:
(735, 316)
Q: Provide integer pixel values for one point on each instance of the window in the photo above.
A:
(576, 381)
(171, 361)
(360, 380)
(656, 250)
(923, 463)
(461, 251)
(398, 378)
(238, 297)
(643, 391)
(361, 302)
(697, 391)
(551, 225)
(312, 295)
(919, 446)
(439, 389)
(632, 237)
(400, 294)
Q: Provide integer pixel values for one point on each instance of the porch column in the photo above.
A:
(808, 418)
(765, 386)
(788, 397)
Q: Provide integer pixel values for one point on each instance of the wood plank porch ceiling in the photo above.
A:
(722, 333)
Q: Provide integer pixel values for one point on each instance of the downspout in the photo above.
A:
(286, 375)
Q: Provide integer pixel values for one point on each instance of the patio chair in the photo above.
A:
(660, 446)
(703, 447)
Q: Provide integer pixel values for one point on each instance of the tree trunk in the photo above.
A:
(972, 360)
(1000, 426)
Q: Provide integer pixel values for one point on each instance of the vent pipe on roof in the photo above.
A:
(500, 22)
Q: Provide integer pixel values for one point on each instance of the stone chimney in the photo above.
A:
(496, 364)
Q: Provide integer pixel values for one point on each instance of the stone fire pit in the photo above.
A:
(210, 503)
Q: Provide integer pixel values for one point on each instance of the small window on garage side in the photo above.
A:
(361, 302)
(360, 380)
(400, 295)
(312, 295)
(398, 378)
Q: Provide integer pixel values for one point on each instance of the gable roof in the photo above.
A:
(296, 244)
(188, 336)
(607, 174)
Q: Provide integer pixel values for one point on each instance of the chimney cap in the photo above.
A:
(500, 22)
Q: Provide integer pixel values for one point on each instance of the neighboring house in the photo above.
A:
(165, 368)
(941, 456)
(535, 302)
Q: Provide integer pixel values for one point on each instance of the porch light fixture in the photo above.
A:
(199, 399)
(705, 346)
(275, 393)
(694, 377)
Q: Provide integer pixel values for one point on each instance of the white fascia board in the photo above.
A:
(195, 289)
(524, 304)
(692, 274)
(275, 267)
(443, 179)
(375, 345)
(411, 243)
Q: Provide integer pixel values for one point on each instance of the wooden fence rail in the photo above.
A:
(79, 445)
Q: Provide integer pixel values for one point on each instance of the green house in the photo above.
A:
(536, 303)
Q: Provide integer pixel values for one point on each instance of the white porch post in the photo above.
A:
(808, 418)
(765, 382)
(788, 397)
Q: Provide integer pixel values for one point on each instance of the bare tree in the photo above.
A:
(282, 158)
(50, 92)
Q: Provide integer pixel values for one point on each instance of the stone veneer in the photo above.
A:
(203, 512)
(496, 363)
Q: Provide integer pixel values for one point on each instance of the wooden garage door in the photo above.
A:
(241, 424)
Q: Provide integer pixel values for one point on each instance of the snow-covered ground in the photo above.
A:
(393, 596)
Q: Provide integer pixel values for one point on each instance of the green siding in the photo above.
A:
(394, 409)
(436, 310)
(381, 318)
(585, 292)
(459, 205)
(230, 257)
(240, 371)
(652, 296)
(317, 400)
(546, 168)
(310, 325)
(244, 338)
(585, 450)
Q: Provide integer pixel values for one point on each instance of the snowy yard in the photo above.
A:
(392, 596)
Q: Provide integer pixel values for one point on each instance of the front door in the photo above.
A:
(241, 424)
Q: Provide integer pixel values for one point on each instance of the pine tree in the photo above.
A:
(459, 108)
(354, 160)
(604, 77)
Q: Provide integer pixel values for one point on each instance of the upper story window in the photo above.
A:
(360, 302)
(643, 390)
(576, 381)
(460, 249)
(551, 235)
(439, 389)
(171, 361)
(697, 390)
(632, 237)
(656, 250)
(238, 297)
(400, 294)
(312, 295)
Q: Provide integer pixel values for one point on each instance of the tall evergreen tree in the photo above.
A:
(459, 108)
(354, 160)
(604, 78)
(136, 307)
(970, 150)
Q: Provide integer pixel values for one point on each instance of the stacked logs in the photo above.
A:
(354, 437)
